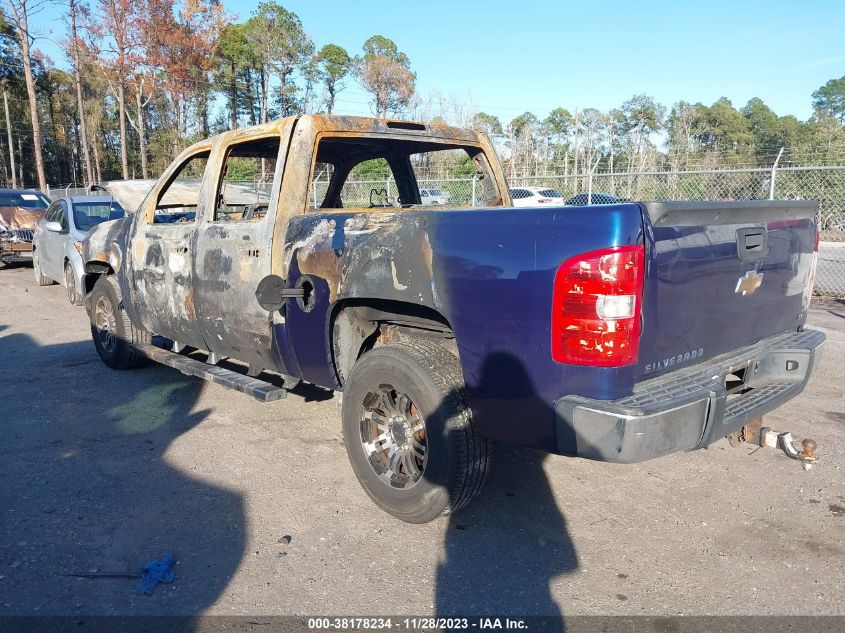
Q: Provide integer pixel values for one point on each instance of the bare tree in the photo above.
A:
(593, 128)
(186, 43)
(20, 11)
(641, 117)
(681, 131)
(385, 72)
(9, 135)
(576, 142)
(113, 39)
(142, 86)
(521, 137)
(74, 7)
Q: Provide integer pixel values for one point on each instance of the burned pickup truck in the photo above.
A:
(20, 211)
(617, 332)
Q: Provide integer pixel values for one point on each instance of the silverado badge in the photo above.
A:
(748, 283)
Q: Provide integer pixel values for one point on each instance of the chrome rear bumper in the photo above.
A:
(690, 408)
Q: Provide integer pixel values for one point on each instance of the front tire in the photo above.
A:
(40, 278)
(111, 329)
(409, 433)
(70, 286)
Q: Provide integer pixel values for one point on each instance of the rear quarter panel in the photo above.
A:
(489, 272)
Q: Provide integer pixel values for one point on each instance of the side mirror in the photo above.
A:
(55, 227)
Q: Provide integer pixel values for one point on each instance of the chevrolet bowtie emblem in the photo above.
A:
(748, 283)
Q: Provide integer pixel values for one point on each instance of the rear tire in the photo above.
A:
(409, 433)
(40, 278)
(70, 286)
(111, 329)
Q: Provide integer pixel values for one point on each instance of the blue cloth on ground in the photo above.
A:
(154, 572)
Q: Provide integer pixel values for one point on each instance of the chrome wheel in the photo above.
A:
(393, 437)
(104, 321)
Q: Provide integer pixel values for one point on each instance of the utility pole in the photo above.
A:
(20, 164)
(9, 135)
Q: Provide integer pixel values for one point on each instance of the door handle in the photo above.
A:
(752, 243)
(248, 251)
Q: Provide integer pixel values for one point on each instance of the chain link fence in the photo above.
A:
(824, 184)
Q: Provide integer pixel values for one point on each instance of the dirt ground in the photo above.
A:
(102, 471)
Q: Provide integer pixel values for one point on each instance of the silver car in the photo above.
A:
(58, 239)
(433, 196)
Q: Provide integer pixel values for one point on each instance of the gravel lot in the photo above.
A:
(104, 470)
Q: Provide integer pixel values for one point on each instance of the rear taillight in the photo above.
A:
(811, 283)
(596, 307)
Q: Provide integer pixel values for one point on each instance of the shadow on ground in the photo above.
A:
(88, 488)
(505, 550)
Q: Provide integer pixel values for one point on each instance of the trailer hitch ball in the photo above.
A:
(786, 442)
(755, 433)
(809, 447)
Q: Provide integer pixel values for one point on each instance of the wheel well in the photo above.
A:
(359, 325)
(93, 271)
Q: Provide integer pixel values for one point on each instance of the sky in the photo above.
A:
(509, 57)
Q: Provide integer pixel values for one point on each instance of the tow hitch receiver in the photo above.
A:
(759, 435)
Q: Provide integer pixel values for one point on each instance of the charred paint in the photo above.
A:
(216, 263)
(154, 256)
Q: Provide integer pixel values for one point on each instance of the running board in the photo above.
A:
(258, 389)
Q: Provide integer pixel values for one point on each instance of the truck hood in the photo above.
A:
(128, 193)
(20, 218)
(131, 193)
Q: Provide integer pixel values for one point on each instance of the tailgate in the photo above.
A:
(722, 275)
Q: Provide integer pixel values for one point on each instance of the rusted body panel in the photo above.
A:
(385, 256)
(302, 157)
(195, 282)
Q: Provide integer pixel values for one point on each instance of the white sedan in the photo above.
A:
(535, 196)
